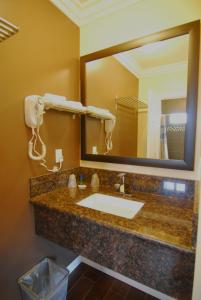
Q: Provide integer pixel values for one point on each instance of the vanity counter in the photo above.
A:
(158, 219)
(154, 248)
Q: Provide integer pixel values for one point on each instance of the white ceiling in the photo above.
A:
(82, 12)
(155, 58)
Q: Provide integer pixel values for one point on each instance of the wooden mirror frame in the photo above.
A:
(193, 29)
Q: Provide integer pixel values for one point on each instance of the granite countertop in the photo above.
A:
(158, 219)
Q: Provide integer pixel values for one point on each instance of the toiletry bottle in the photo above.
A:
(95, 182)
(82, 179)
(72, 181)
(82, 184)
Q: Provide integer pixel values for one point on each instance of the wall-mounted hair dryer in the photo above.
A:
(110, 120)
(109, 127)
(34, 110)
(35, 107)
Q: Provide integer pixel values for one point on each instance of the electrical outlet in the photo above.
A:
(58, 155)
(94, 150)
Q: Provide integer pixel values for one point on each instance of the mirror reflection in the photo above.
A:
(137, 101)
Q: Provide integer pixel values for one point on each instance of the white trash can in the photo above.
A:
(45, 281)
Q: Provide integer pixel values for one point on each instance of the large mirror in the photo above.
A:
(141, 100)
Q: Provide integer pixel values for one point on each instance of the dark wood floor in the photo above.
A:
(86, 283)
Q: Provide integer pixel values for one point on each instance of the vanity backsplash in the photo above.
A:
(49, 182)
(144, 183)
(180, 189)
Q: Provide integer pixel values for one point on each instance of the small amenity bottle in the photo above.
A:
(95, 182)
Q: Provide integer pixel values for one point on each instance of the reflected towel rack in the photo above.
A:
(176, 128)
(7, 29)
(131, 102)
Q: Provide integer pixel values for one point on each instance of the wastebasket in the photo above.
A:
(45, 281)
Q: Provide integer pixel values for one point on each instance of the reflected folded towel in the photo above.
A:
(54, 97)
(101, 113)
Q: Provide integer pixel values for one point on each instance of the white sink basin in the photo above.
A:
(112, 205)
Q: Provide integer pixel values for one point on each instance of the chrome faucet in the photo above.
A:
(122, 182)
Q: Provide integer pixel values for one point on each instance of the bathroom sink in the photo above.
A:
(112, 205)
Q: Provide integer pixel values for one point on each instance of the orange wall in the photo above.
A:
(106, 80)
(42, 57)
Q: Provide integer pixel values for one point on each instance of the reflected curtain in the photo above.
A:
(163, 139)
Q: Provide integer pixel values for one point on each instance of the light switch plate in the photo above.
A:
(58, 155)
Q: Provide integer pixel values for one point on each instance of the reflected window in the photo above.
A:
(169, 186)
(179, 118)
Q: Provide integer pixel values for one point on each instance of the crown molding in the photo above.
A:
(88, 11)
